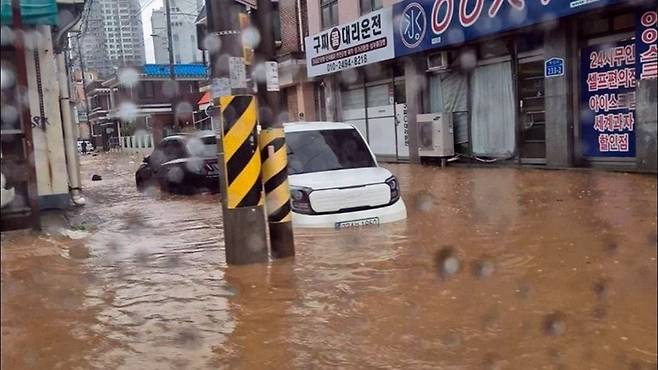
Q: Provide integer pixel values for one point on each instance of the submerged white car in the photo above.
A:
(335, 180)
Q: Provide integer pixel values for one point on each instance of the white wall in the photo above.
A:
(49, 157)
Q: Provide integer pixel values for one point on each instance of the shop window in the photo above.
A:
(147, 89)
(276, 21)
(368, 6)
(493, 49)
(594, 25)
(399, 93)
(320, 102)
(448, 92)
(353, 99)
(624, 22)
(329, 13)
(378, 95)
(493, 128)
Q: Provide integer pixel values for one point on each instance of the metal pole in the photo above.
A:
(26, 127)
(169, 42)
(273, 147)
(245, 237)
(84, 84)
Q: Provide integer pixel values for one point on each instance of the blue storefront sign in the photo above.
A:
(608, 100)
(554, 67)
(646, 48)
(428, 24)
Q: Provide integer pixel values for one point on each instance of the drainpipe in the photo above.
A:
(70, 147)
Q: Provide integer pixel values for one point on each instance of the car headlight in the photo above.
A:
(300, 201)
(393, 184)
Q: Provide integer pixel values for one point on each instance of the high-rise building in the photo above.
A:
(183, 31)
(113, 36)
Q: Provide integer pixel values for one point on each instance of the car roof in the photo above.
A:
(315, 126)
(187, 135)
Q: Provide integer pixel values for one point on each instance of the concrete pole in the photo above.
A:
(245, 236)
(275, 167)
(70, 147)
(169, 43)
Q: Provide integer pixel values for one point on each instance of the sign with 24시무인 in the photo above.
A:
(607, 113)
(367, 40)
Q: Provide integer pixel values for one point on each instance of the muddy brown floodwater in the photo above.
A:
(494, 269)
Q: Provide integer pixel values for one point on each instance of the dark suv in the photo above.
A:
(182, 164)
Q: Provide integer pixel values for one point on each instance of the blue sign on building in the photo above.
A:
(428, 24)
(554, 67)
(607, 111)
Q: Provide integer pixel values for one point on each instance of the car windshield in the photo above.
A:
(326, 150)
(205, 146)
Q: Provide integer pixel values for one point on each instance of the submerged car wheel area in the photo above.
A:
(335, 180)
(182, 164)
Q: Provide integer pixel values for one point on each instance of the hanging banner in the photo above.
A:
(428, 24)
(608, 100)
(367, 40)
(645, 44)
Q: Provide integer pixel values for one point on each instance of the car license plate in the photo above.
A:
(357, 223)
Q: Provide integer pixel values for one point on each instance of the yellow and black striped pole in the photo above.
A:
(277, 192)
(244, 220)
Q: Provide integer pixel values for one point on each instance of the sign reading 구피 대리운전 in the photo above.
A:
(608, 100)
(367, 40)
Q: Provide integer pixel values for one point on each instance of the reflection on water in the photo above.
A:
(494, 269)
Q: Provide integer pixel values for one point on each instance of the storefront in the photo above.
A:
(541, 83)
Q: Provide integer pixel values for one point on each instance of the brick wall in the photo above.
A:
(289, 26)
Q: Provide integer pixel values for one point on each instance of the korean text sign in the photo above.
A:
(367, 40)
(645, 44)
(428, 24)
(608, 100)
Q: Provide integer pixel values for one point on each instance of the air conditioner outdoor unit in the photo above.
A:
(435, 135)
(437, 61)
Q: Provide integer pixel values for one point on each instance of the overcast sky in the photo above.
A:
(146, 25)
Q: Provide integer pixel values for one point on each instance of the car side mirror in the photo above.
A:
(146, 159)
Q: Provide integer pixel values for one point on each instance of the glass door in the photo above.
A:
(532, 145)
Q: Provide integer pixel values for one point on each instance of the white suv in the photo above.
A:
(335, 180)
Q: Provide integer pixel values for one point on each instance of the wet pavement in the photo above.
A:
(494, 269)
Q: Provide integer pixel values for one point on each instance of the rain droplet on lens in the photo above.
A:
(554, 324)
(127, 111)
(173, 261)
(141, 257)
(483, 269)
(424, 201)
(447, 262)
(612, 248)
(600, 288)
(491, 361)
(128, 77)
(188, 338)
(599, 312)
(451, 340)
(79, 251)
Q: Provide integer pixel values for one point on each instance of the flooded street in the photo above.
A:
(494, 268)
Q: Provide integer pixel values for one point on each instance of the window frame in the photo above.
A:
(331, 5)
(370, 6)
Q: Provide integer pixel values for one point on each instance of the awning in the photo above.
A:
(32, 12)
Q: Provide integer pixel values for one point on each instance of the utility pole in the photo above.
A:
(272, 141)
(242, 200)
(169, 43)
(84, 83)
